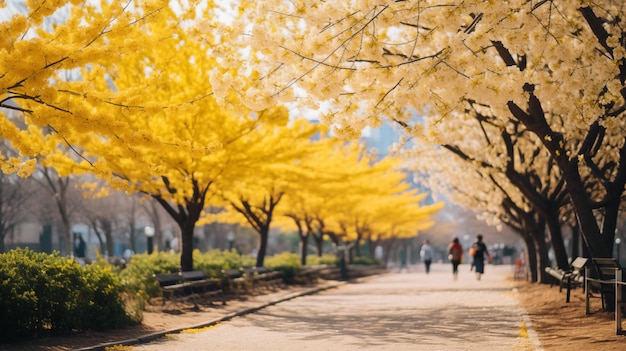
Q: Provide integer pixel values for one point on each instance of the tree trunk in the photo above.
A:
(186, 217)
(318, 236)
(156, 222)
(387, 247)
(531, 258)
(372, 245)
(186, 255)
(260, 257)
(544, 261)
(66, 232)
(576, 252)
(357, 244)
(304, 238)
(187, 230)
(109, 244)
(535, 120)
(45, 239)
(101, 241)
(2, 235)
(535, 226)
(609, 223)
(586, 218)
(556, 239)
(304, 243)
(319, 244)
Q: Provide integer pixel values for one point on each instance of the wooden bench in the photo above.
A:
(170, 284)
(602, 282)
(249, 279)
(609, 281)
(208, 286)
(263, 277)
(310, 274)
(571, 278)
(236, 281)
(173, 285)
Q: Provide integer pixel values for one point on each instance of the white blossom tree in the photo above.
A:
(554, 69)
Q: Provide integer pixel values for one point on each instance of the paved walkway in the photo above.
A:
(395, 311)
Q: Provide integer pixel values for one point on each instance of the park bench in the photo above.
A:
(310, 274)
(262, 277)
(235, 280)
(607, 282)
(571, 278)
(250, 279)
(183, 284)
(208, 286)
(170, 284)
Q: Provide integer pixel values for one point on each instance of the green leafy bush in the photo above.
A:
(138, 281)
(366, 261)
(330, 259)
(102, 298)
(137, 277)
(214, 261)
(41, 293)
(286, 262)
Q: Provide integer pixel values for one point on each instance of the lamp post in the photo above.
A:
(149, 232)
(617, 242)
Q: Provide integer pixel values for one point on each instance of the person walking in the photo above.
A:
(80, 245)
(479, 252)
(427, 254)
(455, 255)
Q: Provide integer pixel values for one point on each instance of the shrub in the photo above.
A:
(102, 299)
(364, 261)
(330, 259)
(214, 261)
(137, 277)
(286, 262)
(41, 293)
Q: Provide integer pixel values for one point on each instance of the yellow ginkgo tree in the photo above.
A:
(258, 195)
(352, 196)
(399, 216)
(169, 139)
(333, 164)
(46, 43)
(385, 208)
(48, 106)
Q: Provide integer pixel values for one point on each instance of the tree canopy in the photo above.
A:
(550, 71)
(127, 92)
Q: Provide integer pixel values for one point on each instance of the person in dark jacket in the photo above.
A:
(79, 245)
(455, 255)
(479, 254)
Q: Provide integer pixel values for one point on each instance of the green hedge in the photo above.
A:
(42, 294)
(47, 294)
(137, 276)
(214, 261)
(330, 259)
(138, 280)
(366, 261)
(288, 263)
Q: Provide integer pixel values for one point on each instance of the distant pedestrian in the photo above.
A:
(79, 245)
(455, 255)
(479, 252)
(379, 254)
(427, 254)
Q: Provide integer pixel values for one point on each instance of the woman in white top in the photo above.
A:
(427, 254)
